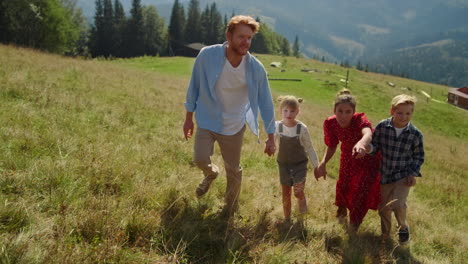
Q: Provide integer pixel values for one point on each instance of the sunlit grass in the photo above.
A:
(94, 169)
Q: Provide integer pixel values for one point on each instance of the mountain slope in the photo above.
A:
(94, 169)
(437, 62)
(373, 24)
(366, 31)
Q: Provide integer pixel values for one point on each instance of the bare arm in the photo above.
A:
(322, 168)
(359, 150)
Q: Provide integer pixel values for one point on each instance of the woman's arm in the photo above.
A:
(359, 150)
(322, 168)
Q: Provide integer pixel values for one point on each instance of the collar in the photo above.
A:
(408, 127)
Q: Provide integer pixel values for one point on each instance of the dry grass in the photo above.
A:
(94, 169)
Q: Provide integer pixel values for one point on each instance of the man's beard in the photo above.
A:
(240, 51)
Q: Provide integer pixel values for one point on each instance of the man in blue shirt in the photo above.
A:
(227, 89)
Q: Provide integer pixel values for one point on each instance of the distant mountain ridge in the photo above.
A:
(353, 30)
(443, 62)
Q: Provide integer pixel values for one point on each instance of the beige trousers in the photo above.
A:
(230, 147)
(393, 200)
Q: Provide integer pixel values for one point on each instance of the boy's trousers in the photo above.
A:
(230, 147)
(393, 200)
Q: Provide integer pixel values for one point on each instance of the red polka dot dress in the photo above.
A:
(358, 186)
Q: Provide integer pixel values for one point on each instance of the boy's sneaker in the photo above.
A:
(404, 236)
(204, 186)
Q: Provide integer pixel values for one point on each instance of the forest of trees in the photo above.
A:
(58, 26)
(445, 64)
(51, 25)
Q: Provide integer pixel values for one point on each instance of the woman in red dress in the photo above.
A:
(357, 188)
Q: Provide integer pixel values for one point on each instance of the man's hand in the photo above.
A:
(411, 181)
(270, 147)
(188, 125)
(188, 129)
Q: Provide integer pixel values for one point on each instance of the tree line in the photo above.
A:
(51, 25)
(58, 26)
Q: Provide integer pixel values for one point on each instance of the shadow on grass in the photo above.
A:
(288, 231)
(192, 233)
(402, 255)
(367, 248)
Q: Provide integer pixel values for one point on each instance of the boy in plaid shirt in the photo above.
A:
(401, 144)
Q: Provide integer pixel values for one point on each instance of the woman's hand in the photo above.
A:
(321, 171)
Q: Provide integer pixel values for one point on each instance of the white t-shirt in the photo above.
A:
(231, 90)
(399, 130)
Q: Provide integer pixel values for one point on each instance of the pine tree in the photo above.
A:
(216, 26)
(260, 42)
(135, 45)
(183, 20)
(176, 25)
(193, 28)
(96, 45)
(119, 24)
(225, 22)
(212, 25)
(102, 33)
(108, 30)
(296, 51)
(4, 22)
(359, 66)
(268, 42)
(346, 64)
(205, 24)
(285, 47)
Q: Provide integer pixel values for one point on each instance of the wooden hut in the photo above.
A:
(458, 97)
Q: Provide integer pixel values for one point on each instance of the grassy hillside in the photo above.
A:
(94, 169)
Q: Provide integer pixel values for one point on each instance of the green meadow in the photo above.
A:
(94, 169)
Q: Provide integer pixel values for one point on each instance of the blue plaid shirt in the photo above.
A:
(402, 156)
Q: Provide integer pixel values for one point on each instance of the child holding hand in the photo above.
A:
(402, 148)
(295, 150)
(357, 188)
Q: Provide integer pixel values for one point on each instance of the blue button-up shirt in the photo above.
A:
(402, 156)
(201, 95)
